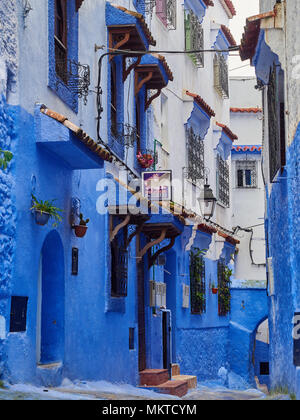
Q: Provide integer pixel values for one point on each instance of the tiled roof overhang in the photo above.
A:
(138, 18)
(208, 3)
(227, 131)
(230, 239)
(246, 110)
(200, 101)
(247, 149)
(229, 8)
(78, 4)
(87, 141)
(251, 35)
(226, 31)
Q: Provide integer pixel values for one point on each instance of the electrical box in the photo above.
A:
(185, 296)
(158, 295)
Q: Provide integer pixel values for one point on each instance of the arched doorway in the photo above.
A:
(261, 353)
(51, 302)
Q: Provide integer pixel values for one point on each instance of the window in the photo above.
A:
(195, 148)
(221, 81)
(264, 368)
(246, 174)
(276, 121)
(119, 262)
(167, 13)
(18, 314)
(223, 182)
(224, 295)
(61, 39)
(194, 37)
(197, 282)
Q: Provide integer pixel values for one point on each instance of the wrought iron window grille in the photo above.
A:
(197, 283)
(147, 5)
(246, 174)
(223, 182)
(195, 147)
(124, 134)
(194, 38)
(168, 13)
(224, 295)
(75, 76)
(221, 79)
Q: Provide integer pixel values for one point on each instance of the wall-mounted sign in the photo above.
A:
(157, 185)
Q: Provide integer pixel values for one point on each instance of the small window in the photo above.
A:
(197, 282)
(61, 39)
(131, 339)
(119, 262)
(223, 182)
(264, 368)
(246, 174)
(18, 314)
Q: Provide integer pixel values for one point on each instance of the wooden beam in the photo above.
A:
(160, 251)
(119, 227)
(135, 233)
(139, 85)
(150, 100)
(153, 243)
(118, 44)
(126, 72)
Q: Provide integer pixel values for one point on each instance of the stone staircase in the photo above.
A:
(158, 380)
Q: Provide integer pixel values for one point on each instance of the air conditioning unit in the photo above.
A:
(185, 296)
(158, 295)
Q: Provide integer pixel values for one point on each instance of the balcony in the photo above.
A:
(221, 82)
(166, 10)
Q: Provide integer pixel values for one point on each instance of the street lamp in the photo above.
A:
(207, 202)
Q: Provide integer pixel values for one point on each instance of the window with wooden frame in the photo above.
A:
(119, 261)
(276, 121)
(197, 282)
(246, 173)
(61, 39)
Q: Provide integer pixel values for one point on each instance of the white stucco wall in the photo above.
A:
(248, 203)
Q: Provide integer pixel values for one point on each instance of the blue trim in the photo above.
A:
(116, 17)
(221, 43)
(199, 121)
(264, 59)
(197, 6)
(54, 81)
(139, 6)
(224, 146)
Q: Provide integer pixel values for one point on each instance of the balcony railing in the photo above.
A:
(223, 182)
(221, 82)
(124, 134)
(194, 38)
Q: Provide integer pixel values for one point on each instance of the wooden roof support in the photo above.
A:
(153, 243)
(119, 227)
(150, 100)
(160, 251)
(139, 85)
(135, 233)
(126, 72)
(120, 43)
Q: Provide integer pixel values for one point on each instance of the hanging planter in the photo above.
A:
(145, 160)
(45, 210)
(214, 290)
(81, 229)
(41, 218)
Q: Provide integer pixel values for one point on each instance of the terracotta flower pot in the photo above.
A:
(214, 291)
(41, 218)
(80, 230)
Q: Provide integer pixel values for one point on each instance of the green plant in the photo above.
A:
(82, 221)
(47, 207)
(197, 280)
(5, 158)
(224, 282)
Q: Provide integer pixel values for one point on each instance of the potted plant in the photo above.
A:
(80, 230)
(145, 160)
(214, 289)
(45, 210)
(5, 158)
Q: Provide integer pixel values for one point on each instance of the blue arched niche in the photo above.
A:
(51, 301)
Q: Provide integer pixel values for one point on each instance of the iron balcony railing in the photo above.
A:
(195, 149)
(194, 38)
(167, 11)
